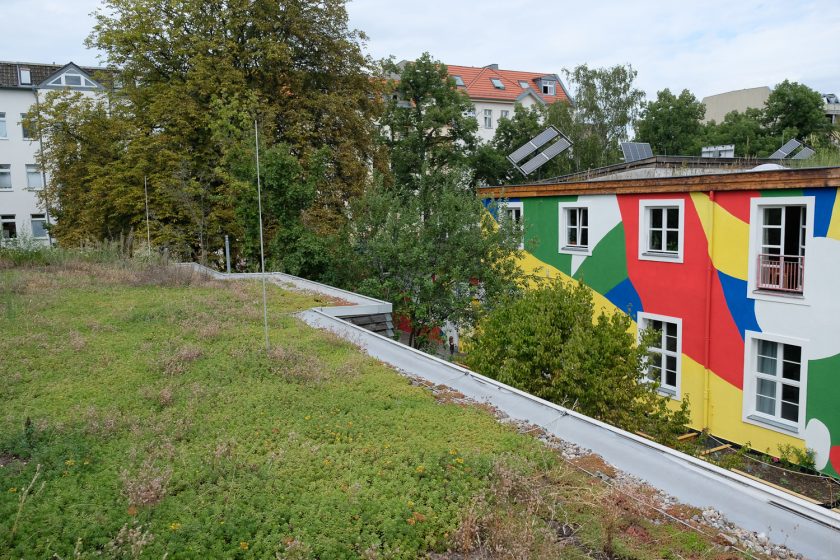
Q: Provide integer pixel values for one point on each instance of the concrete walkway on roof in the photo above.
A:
(786, 519)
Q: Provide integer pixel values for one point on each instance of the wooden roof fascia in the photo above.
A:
(746, 181)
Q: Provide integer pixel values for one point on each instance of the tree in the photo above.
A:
(794, 110)
(189, 68)
(671, 124)
(489, 162)
(427, 126)
(606, 105)
(549, 342)
(440, 258)
(745, 130)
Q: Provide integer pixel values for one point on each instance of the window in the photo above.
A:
(25, 77)
(5, 176)
(488, 118)
(774, 381)
(661, 230)
(8, 228)
(34, 180)
(665, 358)
(548, 87)
(72, 79)
(3, 126)
(39, 226)
(459, 81)
(513, 211)
(504, 114)
(25, 131)
(523, 84)
(573, 228)
(781, 228)
(497, 83)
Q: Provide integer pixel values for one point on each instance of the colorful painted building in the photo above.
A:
(739, 271)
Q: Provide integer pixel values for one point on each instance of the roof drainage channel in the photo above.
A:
(804, 527)
(786, 519)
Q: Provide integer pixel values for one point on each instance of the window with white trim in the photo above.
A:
(34, 179)
(504, 114)
(25, 132)
(665, 351)
(513, 211)
(3, 133)
(25, 77)
(8, 227)
(548, 87)
(5, 176)
(39, 226)
(72, 79)
(661, 230)
(774, 384)
(488, 118)
(573, 227)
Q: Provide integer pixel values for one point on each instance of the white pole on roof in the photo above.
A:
(148, 231)
(262, 246)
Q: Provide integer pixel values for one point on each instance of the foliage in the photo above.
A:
(551, 343)
(745, 130)
(193, 75)
(794, 110)
(439, 257)
(427, 126)
(671, 124)
(794, 458)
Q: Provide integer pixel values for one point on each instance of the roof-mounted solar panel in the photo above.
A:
(785, 150)
(634, 151)
(804, 153)
(539, 140)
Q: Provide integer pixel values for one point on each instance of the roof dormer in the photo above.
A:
(70, 76)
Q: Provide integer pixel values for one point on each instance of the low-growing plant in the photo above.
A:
(794, 458)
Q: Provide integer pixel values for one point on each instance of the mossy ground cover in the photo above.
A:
(143, 405)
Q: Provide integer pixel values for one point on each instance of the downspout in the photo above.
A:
(43, 173)
(708, 316)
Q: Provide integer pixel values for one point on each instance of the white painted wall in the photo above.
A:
(20, 201)
(495, 107)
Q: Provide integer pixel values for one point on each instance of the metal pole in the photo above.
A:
(148, 231)
(227, 253)
(262, 247)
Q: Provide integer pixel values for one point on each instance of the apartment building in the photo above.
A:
(22, 85)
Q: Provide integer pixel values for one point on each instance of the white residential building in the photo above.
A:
(22, 85)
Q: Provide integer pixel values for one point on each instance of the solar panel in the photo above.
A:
(785, 150)
(804, 153)
(634, 151)
(541, 138)
(545, 156)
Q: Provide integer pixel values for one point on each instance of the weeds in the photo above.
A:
(147, 486)
(130, 542)
(24, 496)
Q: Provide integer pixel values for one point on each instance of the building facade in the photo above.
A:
(495, 92)
(738, 272)
(22, 85)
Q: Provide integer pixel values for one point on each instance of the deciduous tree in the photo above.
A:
(671, 124)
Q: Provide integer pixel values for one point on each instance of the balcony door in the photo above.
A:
(781, 262)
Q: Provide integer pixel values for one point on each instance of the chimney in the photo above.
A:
(492, 66)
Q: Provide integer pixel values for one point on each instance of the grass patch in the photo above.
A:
(141, 417)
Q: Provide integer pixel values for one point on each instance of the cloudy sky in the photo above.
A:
(708, 47)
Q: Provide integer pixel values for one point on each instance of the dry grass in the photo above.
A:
(147, 485)
(177, 363)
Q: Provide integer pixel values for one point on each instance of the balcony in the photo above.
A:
(781, 273)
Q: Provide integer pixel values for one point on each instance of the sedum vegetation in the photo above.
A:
(142, 418)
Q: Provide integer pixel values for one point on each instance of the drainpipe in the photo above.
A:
(708, 315)
(43, 173)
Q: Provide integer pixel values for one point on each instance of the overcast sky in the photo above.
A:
(708, 47)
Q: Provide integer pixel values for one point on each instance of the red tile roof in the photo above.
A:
(478, 85)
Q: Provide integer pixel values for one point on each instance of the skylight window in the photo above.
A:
(497, 83)
(523, 84)
(25, 77)
(459, 81)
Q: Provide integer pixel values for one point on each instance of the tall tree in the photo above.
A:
(671, 124)
(744, 129)
(794, 110)
(427, 126)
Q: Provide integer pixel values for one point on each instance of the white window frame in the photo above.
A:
(32, 168)
(549, 87)
(504, 114)
(8, 219)
(507, 207)
(25, 77)
(23, 130)
(749, 413)
(6, 169)
(645, 254)
(562, 223)
(675, 391)
(488, 118)
(5, 129)
(38, 218)
(757, 205)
